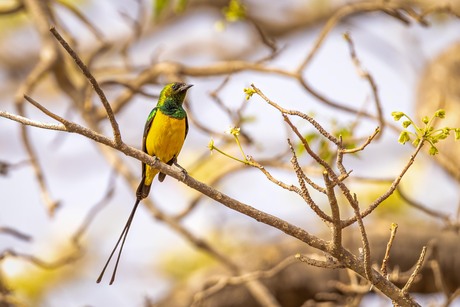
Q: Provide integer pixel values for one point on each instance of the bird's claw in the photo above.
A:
(183, 170)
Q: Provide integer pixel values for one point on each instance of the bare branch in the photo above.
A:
(15, 233)
(269, 176)
(383, 269)
(29, 122)
(414, 274)
(304, 191)
(223, 281)
(366, 75)
(73, 9)
(392, 188)
(413, 203)
(336, 225)
(47, 60)
(39, 262)
(14, 8)
(94, 84)
(328, 264)
(310, 119)
(363, 146)
(343, 12)
(92, 213)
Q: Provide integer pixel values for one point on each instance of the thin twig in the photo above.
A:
(414, 274)
(222, 281)
(289, 187)
(254, 287)
(304, 191)
(95, 209)
(364, 145)
(413, 203)
(364, 240)
(390, 190)
(292, 230)
(366, 75)
(94, 84)
(328, 264)
(16, 7)
(47, 265)
(73, 9)
(383, 269)
(352, 8)
(48, 58)
(15, 233)
(310, 119)
(336, 225)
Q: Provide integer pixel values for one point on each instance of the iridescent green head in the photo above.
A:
(173, 94)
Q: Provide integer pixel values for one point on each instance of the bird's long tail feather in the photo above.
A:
(121, 239)
(143, 190)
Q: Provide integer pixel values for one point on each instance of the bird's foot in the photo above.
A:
(183, 171)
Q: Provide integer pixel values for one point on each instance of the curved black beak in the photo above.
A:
(185, 87)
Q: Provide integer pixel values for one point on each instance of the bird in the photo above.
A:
(164, 134)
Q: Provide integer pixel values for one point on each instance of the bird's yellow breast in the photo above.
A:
(164, 140)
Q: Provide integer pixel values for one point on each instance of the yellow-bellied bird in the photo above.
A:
(164, 135)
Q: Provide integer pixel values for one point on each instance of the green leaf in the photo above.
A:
(309, 137)
(433, 150)
(397, 115)
(406, 123)
(159, 7)
(234, 11)
(441, 113)
(404, 137)
(457, 133)
(180, 6)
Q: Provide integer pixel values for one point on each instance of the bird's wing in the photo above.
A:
(186, 126)
(162, 176)
(148, 124)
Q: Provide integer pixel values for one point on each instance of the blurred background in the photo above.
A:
(64, 199)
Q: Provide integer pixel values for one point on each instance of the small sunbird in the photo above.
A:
(164, 135)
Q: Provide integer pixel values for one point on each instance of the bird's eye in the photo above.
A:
(175, 86)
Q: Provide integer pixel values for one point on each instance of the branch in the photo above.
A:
(73, 9)
(413, 203)
(304, 191)
(392, 188)
(15, 233)
(25, 121)
(14, 8)
(222, 282)
(94, 84)
(255, 288)
(391, 7)
(328, 264)
(364, 145)
(383, 269)
(39, 262)
(350, 260)
(336, 225)
(310, 119)
(366, 75)
(414, 274)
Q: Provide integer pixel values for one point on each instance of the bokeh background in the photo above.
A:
(141, 34)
